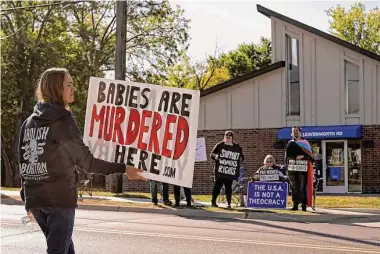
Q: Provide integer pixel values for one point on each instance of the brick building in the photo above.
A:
(326, 85)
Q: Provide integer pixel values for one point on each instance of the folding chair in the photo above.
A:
(84, 184)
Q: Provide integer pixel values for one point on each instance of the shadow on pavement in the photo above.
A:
(334, 219)
(8, 200)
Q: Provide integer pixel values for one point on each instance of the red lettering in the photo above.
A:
(134, 118)
(98, 118)
(143, 128)
(156, 125)
(120, 115)
(180, 147)
(168, 135)
(110, 118)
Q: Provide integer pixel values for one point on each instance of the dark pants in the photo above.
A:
(177, 194)
(153, 191)
(218, 186)
(298, 181)
(57, 224)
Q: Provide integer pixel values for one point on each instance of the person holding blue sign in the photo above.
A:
(227, 156)
(297, 157)
(269, 189)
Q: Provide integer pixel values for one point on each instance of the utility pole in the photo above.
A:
(120, 68)
(121, 39)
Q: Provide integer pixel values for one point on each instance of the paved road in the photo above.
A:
(115, 232)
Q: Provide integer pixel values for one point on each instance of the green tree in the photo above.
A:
(31, 41)
(92, 50)
(247, 57)
(193, 75)
(208, 73)
(81, 37)
(356, 26)
(157, 36)
(178, 75)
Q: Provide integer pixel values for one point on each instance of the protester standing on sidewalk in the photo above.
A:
(177, 196)
(227, 155)
(298, 154)
(50, 147)
(165, 192)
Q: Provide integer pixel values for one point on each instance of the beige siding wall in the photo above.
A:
(323, 79)
(216, 110)
(269, 100)
(243, 105)
(254, 103)
(328, 90)
(261, 102)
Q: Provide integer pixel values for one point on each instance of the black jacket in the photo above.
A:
(50, 147)
(215, 151)
(293, 150)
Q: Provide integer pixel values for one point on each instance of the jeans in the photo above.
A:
(153, 191)
(57, 224)
(298, 181)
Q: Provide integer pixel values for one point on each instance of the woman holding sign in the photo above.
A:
(227, 155)
(50, 148)
(270, 171)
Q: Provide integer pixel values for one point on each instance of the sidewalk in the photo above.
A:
(114, 199)
(126, 205)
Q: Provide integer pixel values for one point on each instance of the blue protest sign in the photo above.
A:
(272, 195)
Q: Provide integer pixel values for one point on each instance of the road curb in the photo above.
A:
(169, 211)
(314, 217)
(184, 212)
(244, 215)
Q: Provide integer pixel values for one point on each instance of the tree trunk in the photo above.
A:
(117, 183)
(6, 168)
(14, 148)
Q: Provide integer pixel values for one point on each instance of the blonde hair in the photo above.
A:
(50, 85)
(269, 157)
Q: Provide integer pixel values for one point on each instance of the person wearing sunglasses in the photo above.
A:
(227, 155)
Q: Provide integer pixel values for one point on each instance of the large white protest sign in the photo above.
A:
(150, 127)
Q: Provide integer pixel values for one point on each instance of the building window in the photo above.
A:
(354, 166)
(293, 77)
(352, 87)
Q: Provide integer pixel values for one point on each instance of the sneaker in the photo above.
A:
(214, 205)
(228, 206)
(177, 205)
(295, 208)
(168, 202)
(304, 209)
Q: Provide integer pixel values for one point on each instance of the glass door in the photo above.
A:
(335, 166)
